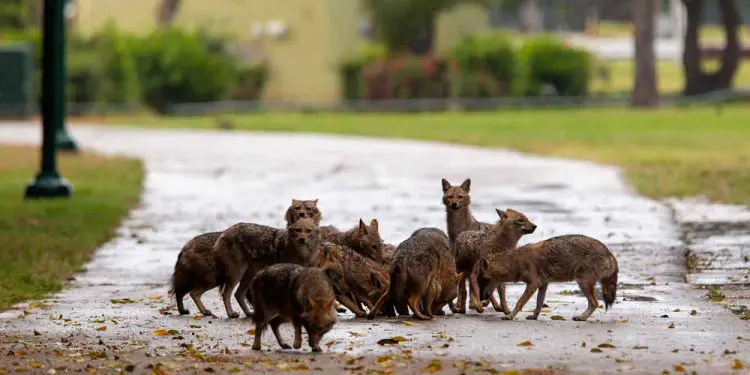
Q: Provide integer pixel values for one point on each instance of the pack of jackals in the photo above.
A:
(296, 274)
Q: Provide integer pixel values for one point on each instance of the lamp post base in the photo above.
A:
(64, 142)
(48, 185)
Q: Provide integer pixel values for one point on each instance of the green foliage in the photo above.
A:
(176, 66)
(550, 61)
(16, 14)
(406, 77)
(398, 22)
(351, 70)
(486, 66)
(115, 69)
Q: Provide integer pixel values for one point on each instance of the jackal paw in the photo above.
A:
(233, 315)
(507, 317)
(285, 346)
(440, 313)
(207, 313)
(256, 347)
(184, 312)
(316, 349)
(531, 317)
(579, 318)
(460, 311)
(297, 344)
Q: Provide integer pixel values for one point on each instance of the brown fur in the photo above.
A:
(289, 292)
(367, 279)
(423, 274)
(473, 244)
(563, 258)
(302, 209)
(362, 238)
(458, 216)
(245, 248)
(388, 251)
(196, 271)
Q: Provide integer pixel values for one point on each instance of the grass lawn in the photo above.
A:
(666, 152)
(46, 241)
(709, 34)
(669, 74)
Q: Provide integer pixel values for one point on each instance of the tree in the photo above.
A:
(697, 80)
(645, 91)
(529, 16)
(409, 25)
(167, 12)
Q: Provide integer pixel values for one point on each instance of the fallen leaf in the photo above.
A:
(676, 310)
(434, 366)
(123, 300)
(565, 293)
(556, 317)
(102, 328)
(160, 332)
(26, 312)
(624, 321)
(461, 365)
(621, 360)
(251, 331)
(301, 367)
(679, 368)
(155, 298)
(640, 347)
(606, 345)
(356, 334)
(583, 344)
(693, 312)
(391, 340)
(737, 364)
(197, 317)
(596, 350)
(526, 343)
(407, 323)
(671, 326)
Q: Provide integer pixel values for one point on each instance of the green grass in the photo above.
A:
(46, 241)
(709, 34)
(667, 152)
(669, 75)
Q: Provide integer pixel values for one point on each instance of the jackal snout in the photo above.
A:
(456, 197)
(303, 231)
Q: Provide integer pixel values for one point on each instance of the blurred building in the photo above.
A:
(303, 40)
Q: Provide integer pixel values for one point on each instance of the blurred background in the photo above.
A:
(196, 57)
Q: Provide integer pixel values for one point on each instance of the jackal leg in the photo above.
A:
(540, 294)
(196, 294)
(413, 302)
(461, 308)
(275, 323)
(297, 334)
(530, 289)
(587, 287)
(503, 300)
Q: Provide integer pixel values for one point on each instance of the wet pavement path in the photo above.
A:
(202, 180)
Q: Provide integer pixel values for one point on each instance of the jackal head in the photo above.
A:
(456, 197)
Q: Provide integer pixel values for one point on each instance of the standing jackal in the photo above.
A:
(423, 275)
(290, 292)
(563, 258)
(245, 248)
(196, 272)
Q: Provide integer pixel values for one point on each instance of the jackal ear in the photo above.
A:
(329, 254)
(375, 281)
(362, 227)
(459, 276)
(484, 263)
(446, 185)
(311, 304)
(315, 202)
(374, 225)
(466, 185)
(501, 213)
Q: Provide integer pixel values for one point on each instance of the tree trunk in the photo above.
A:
(424, 42)
(645, 92)
(697, 81)
(167, 12)
(530, 17)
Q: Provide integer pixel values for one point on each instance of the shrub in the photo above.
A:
(251, 79)
(351, 70)
(116, 69)
(176, 66)
(406, 77)
(485, 66)
(550, 61)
